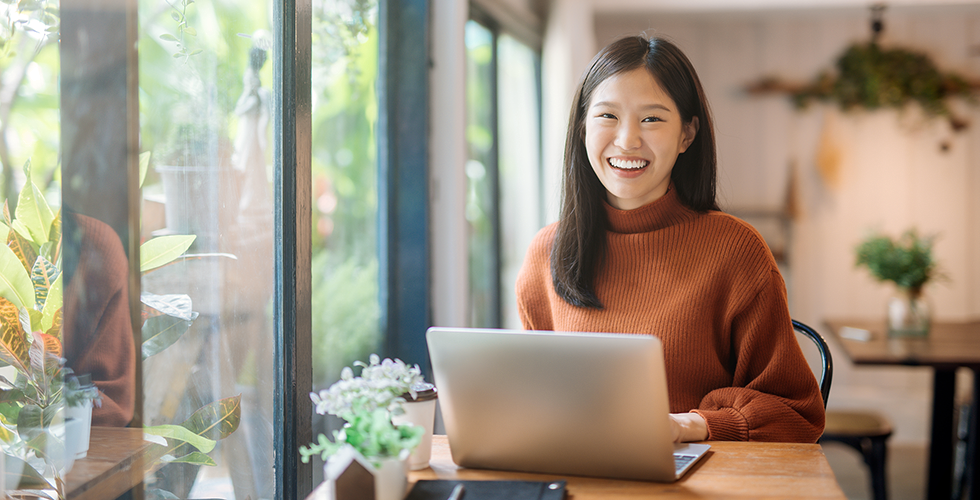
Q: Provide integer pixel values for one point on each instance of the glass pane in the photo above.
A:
(30, 187)
(480, 172)
(205, 118)
(520, 163)
(346, 302)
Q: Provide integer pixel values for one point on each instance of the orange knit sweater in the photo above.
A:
(97, 329)
(708, 287)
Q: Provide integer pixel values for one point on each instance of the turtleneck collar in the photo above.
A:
(658, 214)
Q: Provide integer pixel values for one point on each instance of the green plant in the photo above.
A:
(906, 261)
(871, 77)
(179, 14)
(367, 403)
(31, 342)
(79, 389)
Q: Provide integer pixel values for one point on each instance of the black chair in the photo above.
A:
(865, 431)
(826, 361)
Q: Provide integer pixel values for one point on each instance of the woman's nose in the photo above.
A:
(628, 136)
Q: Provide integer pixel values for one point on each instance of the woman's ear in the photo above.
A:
(690, 132)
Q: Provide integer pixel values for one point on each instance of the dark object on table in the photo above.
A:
(489, 490)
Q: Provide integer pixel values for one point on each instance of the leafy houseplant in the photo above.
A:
(32, 404)
(367, 403)
(907, 262)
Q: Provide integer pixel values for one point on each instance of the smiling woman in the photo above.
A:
(642, 248)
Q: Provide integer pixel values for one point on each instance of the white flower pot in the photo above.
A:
(78, 429)
(421, 413)
(391, 480)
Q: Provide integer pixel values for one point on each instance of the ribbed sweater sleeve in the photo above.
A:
(708, 287)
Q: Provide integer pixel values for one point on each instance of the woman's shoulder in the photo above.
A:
(542, 242)
(733, 232)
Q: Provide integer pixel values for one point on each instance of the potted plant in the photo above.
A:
(80, 396)
(909, 264)
(39, 432)
(367, 403)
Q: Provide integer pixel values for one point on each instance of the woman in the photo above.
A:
(641, 247)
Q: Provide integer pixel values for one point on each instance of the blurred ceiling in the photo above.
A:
(610, 6)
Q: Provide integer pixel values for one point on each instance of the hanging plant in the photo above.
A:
(871, 77)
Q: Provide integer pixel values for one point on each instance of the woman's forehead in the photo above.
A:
(634, 87)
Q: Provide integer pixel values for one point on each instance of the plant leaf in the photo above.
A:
(196, 458)
(176, 305)
(190, 31)
(168, 37)
(15, 284)
(33, 210)
(26, 479)
(160, 332)
(45, 356)
(216, 420)
(13, 344)
(54, 237)
(163, 250)
(22, 248)
(43, 276)
(181, 433)
(30, 422)
(54, 329)
(144, 165)
(53, 304)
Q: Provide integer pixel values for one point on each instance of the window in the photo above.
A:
(206, 117)
(503, 204)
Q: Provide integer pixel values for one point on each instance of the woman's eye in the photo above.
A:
(651, 119)
(607, 115)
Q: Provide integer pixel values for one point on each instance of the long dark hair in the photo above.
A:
(580, 237)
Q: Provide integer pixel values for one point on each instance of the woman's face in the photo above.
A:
(633, 134)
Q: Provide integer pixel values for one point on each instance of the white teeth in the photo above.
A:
(627, 164)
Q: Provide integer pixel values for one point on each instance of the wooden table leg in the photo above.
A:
(941, 442)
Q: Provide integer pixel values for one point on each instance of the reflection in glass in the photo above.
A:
(205, 120)
(30, 134)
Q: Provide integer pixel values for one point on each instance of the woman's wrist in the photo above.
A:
(689, 427)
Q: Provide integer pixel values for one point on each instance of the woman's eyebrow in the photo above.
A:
(645, 107)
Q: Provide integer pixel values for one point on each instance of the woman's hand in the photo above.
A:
(685, 427)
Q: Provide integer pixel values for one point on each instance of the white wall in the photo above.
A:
(892, 174)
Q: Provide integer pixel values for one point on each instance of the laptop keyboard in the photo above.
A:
(681, 461)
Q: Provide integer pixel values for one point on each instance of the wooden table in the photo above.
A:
(949, 346)
(730, 470)
(116, 462)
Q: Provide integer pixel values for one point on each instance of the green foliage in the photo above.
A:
(211, 423)
(871, 77)
(346, 314)
(372, 434)
(907, 261)
(184, 29)
(163, 250)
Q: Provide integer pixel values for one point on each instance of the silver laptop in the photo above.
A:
(587, 404)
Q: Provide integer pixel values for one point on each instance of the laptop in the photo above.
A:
(585, 404)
